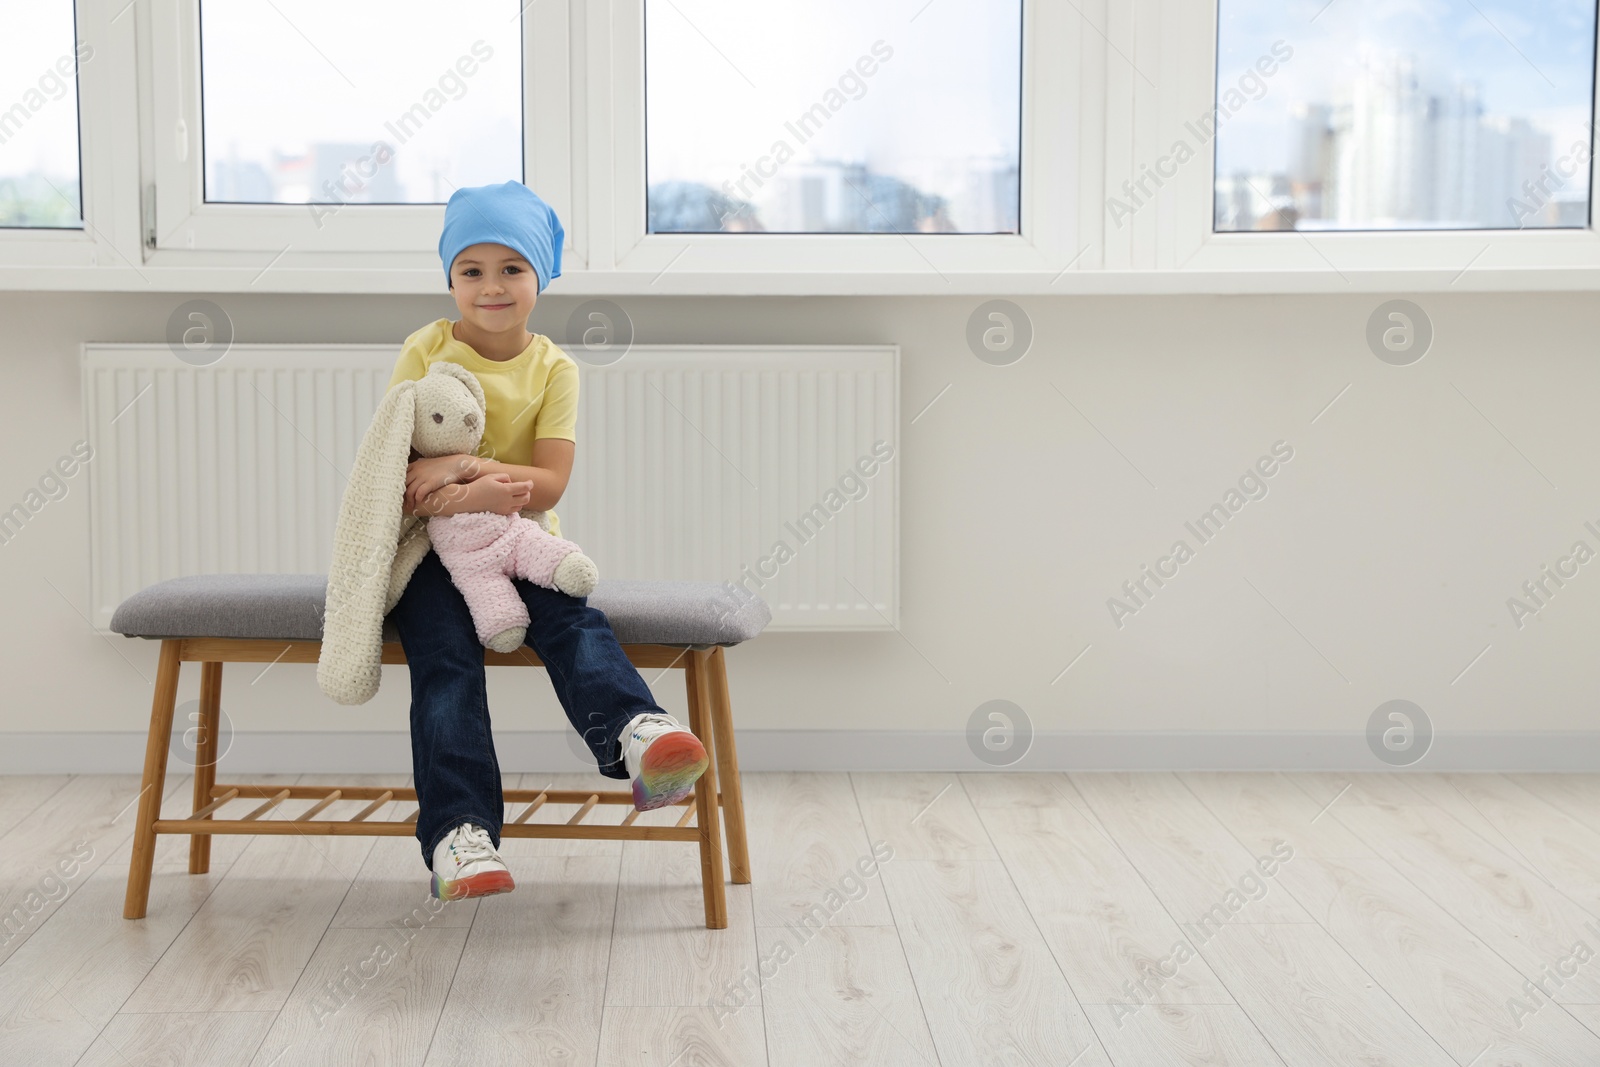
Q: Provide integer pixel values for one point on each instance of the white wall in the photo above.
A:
(1378, 566)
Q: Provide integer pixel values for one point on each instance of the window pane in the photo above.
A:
(1373, 115)
(39, 168)
(359, 101)
(833, 117)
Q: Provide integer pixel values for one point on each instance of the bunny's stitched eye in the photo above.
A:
(437, 417)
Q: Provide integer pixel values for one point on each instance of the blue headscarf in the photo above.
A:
(507, 214)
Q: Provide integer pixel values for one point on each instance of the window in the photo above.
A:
(302, 132)
(1372, 115)
(392, 102)
(702, 147)
(39, 162)
(833, 117)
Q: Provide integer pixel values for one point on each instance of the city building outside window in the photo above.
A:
(1450, 115)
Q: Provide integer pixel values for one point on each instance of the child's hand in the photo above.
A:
(424, 476)
(499, 494)
(451, 499)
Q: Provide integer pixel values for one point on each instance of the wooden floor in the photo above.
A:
(1004, 919)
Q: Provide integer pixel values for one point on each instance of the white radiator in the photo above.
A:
(775, 467)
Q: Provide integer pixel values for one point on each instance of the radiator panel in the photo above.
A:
(694, 463)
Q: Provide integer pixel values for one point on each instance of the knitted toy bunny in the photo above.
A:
(377, 547)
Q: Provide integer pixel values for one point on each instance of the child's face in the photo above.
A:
(495, 288)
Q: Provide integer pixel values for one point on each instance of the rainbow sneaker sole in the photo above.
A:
(478, 885)
(670, 767)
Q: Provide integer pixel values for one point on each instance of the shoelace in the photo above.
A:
(651, 717)
(471, 845)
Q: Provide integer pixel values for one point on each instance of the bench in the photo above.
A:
(277, 618)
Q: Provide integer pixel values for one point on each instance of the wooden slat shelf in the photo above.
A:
(327, 795)
(373, 792)
(222, 798)
(588, 806)
(273, 801)
(316, 808)
(345, 828)
(377, 802)
(538, 802)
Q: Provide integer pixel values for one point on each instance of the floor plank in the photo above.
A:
(58, 990)
(21, 795)
(1449, 981)
(1109, 933)
(805, 833)
(661, 952)
(245, 948)
(531, 981)
(367, 996)
(987, 979)
(1554, 847)
(1576, 794)
(1312, 1003)
(843, 996)
(923, 817)
(987, 982)
(68, 981)
(1190, 861)
(990, 908)
(59, 845)
(215, 1039)
(645, 1035)
(1489, 891)
(1171, 1035)
(1587, 1014)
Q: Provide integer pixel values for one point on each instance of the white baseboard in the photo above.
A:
(828, 750)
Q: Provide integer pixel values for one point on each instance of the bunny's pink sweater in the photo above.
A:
(483, 551)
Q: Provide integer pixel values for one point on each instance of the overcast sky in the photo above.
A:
(725, 75)
(338, 71)
(36, 35)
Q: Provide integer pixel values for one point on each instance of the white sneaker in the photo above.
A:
(465, 864)
(663, 759)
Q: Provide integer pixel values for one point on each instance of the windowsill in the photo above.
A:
(678, 282)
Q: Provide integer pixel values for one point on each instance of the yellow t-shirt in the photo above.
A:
(532, 395)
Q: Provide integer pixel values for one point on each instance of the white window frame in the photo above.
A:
(184, 222)
(1048, 219)
(1175, 232)
(52, 257)
(1089, 121)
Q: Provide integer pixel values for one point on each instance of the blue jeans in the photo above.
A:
(452, 752)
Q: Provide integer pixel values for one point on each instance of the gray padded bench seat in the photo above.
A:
(288, 607)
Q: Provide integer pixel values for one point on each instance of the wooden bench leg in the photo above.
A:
(728, 769)
(154, 782)
(697, 679)
(205, 759)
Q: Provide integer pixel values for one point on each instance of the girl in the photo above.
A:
(501, 246)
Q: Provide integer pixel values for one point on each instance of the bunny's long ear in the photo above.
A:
(350, 663)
